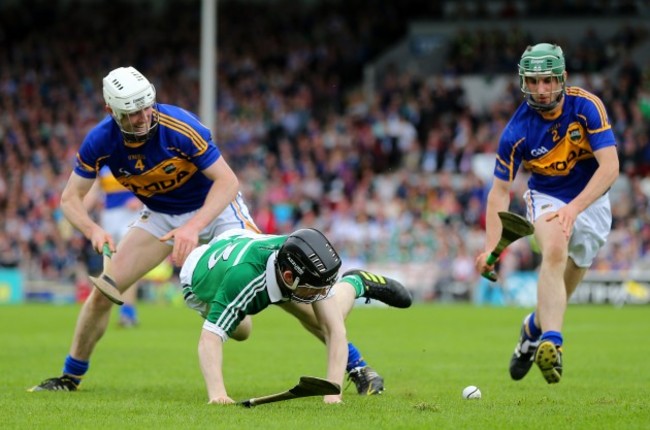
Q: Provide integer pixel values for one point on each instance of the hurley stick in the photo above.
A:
(307, 387)
(105, 283)
(513, 227)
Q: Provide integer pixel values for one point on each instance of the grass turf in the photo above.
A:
(149, 377)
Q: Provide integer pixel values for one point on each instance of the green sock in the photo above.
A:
(356, 282)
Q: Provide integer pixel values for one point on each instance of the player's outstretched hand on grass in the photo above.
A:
(335, 398)
(225, 400)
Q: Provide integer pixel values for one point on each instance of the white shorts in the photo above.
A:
(235, 216)
(590, 230)
(117, 221)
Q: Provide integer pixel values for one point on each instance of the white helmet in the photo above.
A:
(127, 91)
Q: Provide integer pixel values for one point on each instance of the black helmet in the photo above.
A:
(313, 261)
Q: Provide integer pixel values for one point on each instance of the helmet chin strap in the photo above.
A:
(131, 137)
(541, 107)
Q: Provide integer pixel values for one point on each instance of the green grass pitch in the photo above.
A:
(149, 377)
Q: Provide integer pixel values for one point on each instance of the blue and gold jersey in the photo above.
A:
(115, 193)
(165, 171)
(558, 151)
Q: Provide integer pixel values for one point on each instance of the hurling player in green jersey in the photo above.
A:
(241, 273)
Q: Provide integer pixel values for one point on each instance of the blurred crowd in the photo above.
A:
(389, 180)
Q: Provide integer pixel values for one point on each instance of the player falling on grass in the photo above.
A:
(241, 273)
(166, 157)
(562, 134)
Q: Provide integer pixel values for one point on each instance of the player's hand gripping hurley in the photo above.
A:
(105, 283)
(307, 387)
(513, 227)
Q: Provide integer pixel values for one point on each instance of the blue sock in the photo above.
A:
(553, 336)
(354, 358)
(532, 331)
(128, 311)
(74, 368)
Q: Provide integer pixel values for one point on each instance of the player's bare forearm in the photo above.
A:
(211, 359)
(77, 215)
(333, 327)
(601, 181)
(337, 353)
(74, 210)
(222, 192)
(498, 200)
(217, 200)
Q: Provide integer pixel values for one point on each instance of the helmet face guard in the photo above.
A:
(305, 293)
(132, 101)
(313, 262)
(539, 62)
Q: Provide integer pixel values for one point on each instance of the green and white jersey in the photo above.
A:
(231, 277)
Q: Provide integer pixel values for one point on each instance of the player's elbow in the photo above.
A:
(227, 185)
(67, 196)
(608, 164)
(612, 170)
(336, 333)
(235, 184)
(616, 168)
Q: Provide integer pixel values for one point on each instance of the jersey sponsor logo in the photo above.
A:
(166, 176)
(562, 158)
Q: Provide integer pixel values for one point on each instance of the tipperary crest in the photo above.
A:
(575, 135)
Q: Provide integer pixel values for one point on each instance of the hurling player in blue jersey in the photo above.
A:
(166, 157)
(563, 136)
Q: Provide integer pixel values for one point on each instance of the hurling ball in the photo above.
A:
(471, 392)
